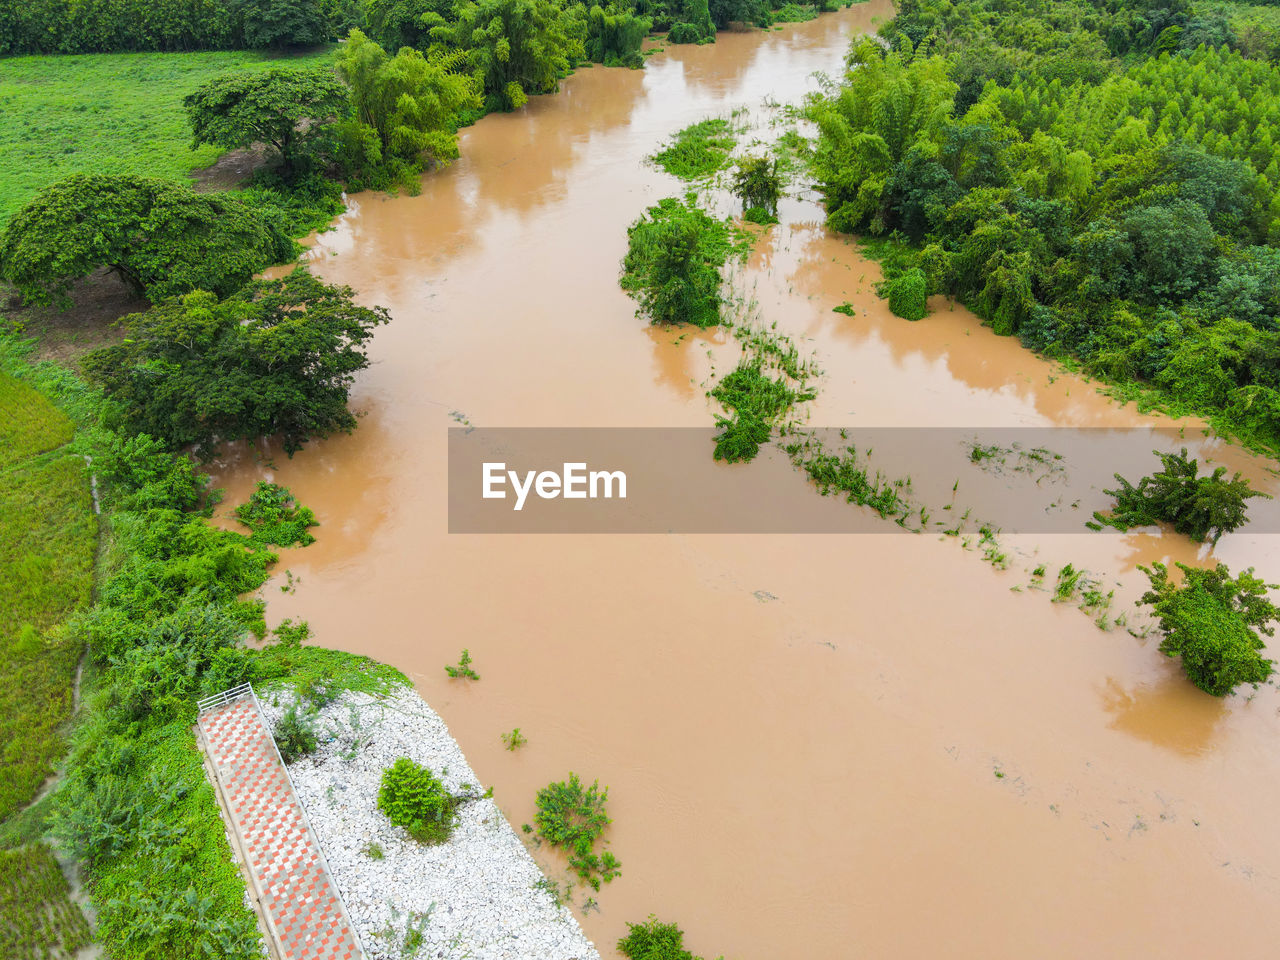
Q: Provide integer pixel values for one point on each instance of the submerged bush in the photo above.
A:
(908, 294)
(755, 401)
(1203, 508)
(698, 150)
(414, 798)
(573, 817)
(1212, 622)
(274, 517)
(674, 257)
(653, 940)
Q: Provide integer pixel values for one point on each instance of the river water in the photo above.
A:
(816, 746)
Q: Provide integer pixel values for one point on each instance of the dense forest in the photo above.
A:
(1099, 179)
(576, 30)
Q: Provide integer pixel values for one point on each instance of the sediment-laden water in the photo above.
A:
(816, 746)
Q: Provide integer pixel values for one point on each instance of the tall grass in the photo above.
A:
(105, 113)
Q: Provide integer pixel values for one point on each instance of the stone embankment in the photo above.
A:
(479, 895)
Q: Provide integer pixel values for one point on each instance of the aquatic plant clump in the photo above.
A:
(698, 150)
(573, 817)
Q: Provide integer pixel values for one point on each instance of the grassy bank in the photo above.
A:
(105, 113)
(175, 601)
(47, 538)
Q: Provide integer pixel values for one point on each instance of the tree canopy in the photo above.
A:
(1212, 622)
(674, 257)
(161, 237)
(405, 106)
(276, 359)
(515, 48)
(285, 108)
(1203, 508)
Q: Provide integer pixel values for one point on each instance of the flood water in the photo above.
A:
(815, 746)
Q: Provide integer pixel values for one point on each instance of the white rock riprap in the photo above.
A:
(477, 896)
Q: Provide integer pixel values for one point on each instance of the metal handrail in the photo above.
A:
(225, 697)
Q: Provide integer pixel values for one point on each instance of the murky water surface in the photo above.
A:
(816, 746)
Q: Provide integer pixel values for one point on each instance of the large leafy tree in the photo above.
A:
(410, 101)
(161, 237)
(278, 24)
(1212, 622)
(285, 108)
(399, 23)
(278, 358)
(515, 48)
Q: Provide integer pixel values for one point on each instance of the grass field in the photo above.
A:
(105, 113)
(47, 539)
(37, 918)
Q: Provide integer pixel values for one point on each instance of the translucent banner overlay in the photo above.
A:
(666, 480)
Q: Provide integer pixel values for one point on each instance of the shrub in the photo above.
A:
(412, 797)
(573, 817)
(653, 940)
(907, 294)
(295, 735)
(1199, 507)
(674, 256)
(274, 517)
(1212, 622)
(758, 185)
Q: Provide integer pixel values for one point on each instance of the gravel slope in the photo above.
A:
(475, 896)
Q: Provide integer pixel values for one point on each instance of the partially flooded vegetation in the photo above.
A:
(795, 726)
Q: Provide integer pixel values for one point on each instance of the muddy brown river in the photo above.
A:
(815, 746)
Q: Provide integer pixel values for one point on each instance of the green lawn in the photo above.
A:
(105, 113)
(47, 538)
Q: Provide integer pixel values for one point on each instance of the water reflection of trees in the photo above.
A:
(1169, 713)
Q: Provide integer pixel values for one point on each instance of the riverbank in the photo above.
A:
(479, 895)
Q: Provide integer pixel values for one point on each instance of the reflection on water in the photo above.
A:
(1170, 712)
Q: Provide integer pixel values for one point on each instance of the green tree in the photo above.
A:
(1202, 508)
(515, 48)
(278, 24)
(1212, 622)
(399, 23)
(161, 237)
(614, 35)
(757, 184)
(285, 108)
(410, 101)
(278, 358)
(672, 267)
